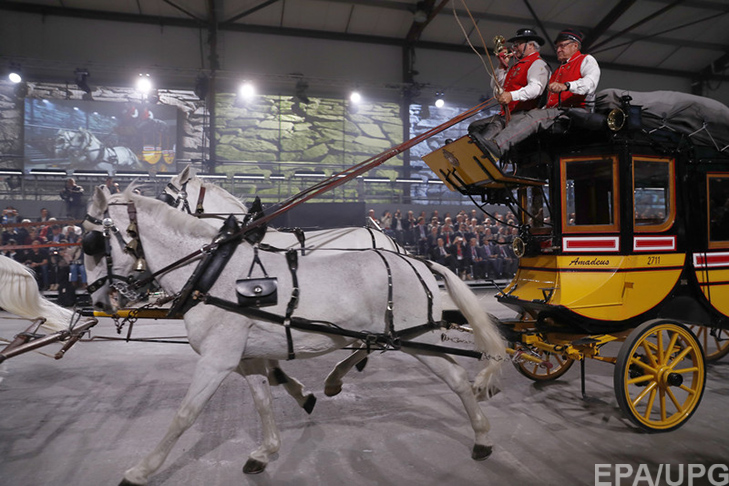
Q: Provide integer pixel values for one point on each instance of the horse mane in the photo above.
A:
(192, 177)
(19, 295)
(221, 192)
(180, 222)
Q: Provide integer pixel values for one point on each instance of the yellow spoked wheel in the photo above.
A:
(554, 366)
(660, 375)
(715, 341)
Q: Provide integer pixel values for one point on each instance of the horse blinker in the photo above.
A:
(93, 243)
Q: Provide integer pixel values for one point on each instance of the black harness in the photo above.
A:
(216, 256)
(96, 243)
(181, 198)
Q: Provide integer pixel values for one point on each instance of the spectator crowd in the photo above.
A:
(54, 266)
(473, 245)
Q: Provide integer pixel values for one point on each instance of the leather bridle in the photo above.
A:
(97, 243)
(181, 198)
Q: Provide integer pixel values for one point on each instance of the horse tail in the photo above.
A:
(486, 334)
(19, 295)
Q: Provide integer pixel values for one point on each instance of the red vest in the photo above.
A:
(569, 71)
(516, 79)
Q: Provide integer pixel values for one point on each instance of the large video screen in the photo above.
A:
(99, 135)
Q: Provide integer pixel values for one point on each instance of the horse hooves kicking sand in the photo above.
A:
(254, 466)
(481, 452)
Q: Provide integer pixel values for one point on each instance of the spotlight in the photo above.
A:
(355, 97)
(300, 93)
(439, 101)
(247, 90)
(144, 84)
(15, 75)
(81, 80)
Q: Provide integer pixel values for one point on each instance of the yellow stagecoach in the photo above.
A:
(623, 237)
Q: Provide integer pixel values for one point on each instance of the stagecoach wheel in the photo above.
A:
(715, 341)
(556, 366)
(660, 375)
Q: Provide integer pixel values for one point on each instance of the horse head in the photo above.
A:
(109, 272)
(71, 142)
(62, 142)
(216, 199)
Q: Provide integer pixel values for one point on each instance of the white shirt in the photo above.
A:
(537, 79)
(587, 84)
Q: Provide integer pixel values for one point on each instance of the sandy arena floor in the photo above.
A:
(85, 419)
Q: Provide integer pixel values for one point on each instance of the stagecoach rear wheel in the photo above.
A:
(555, 367)
(715, 341)
(660, 375)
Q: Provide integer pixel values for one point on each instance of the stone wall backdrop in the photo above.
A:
(11, 127)
(283, 135)
(267, 135)
(422, 119)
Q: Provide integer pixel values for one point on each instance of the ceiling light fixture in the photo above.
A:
(439, 100)
(247, 90)
(144, 84)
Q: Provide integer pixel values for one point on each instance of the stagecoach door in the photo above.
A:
(712, 266)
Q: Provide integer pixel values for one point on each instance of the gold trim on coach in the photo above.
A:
(612, 288)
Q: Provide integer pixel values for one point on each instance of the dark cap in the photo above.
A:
(527, 35)
(570, 34)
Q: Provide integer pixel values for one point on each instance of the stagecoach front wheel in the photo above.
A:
(660, 375)
(554, 366)
(715, 341)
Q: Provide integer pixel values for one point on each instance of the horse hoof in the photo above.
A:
(128, 483)
(481, 452)
(254, 466)
(361, 365)
(332, 390)
(309, 403)
(279, 377)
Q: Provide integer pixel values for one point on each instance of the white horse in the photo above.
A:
(217, 200)
(124, 265)
(86, 151)
(346, 289)
(19, 295)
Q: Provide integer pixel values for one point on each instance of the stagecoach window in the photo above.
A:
(653, 193)
(537, 205)
(589, 192)
(718, 210)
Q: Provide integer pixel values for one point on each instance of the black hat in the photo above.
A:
(527, 35)
(570, 34)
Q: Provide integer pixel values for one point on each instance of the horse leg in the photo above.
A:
(256, 374)
(448, 370)
(209, 374)
(333, 383)
(294, 387)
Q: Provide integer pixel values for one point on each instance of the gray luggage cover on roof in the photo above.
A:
(706, 121)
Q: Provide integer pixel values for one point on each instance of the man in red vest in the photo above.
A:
(574, 82)
(520, 86)
(572, 85)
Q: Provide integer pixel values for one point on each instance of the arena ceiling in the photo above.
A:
(665, 37)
